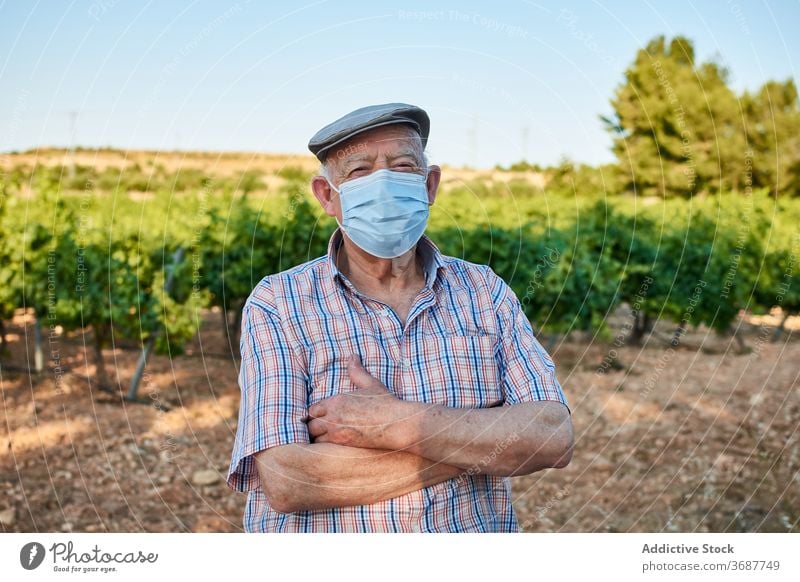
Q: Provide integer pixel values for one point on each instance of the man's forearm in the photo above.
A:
(318, 476)
(509, 440)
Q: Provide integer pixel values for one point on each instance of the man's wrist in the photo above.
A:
(405, 432)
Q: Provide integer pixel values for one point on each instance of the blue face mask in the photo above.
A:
(385, 212)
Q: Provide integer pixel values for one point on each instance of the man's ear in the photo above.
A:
(434, 176)
(324, 194)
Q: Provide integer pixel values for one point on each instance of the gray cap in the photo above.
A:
(366, 118)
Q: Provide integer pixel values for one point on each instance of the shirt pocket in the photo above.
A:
(328, 374)
(461, 371)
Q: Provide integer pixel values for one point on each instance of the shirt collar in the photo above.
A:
(428, 251)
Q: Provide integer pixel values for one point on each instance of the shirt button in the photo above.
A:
(406, 363)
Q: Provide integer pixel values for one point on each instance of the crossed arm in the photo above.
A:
(370, 446)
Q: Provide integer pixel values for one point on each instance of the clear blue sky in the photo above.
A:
(266, 75)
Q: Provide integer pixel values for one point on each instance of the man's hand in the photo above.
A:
(507, 440)
(360, 418)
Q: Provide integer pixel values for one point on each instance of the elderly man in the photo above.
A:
(387, 387)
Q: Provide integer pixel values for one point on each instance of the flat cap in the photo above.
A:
(367, 118)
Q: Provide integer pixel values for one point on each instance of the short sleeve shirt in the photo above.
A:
(466, 343)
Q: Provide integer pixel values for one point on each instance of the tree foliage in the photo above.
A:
(680, 130)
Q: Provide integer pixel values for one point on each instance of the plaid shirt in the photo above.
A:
(466, 344)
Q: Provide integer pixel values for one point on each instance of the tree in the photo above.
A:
(677, 125)
(773, 137)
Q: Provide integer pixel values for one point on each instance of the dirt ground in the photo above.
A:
(702, 437)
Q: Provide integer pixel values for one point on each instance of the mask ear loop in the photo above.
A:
(335, 189)
(427, 173)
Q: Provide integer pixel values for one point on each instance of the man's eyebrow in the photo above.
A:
(355, 158)
(409, 152)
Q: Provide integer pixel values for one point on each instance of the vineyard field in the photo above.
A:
(673, 324)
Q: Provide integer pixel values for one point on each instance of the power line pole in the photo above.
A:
(73, 123)
(525, 134)
(472, 138)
